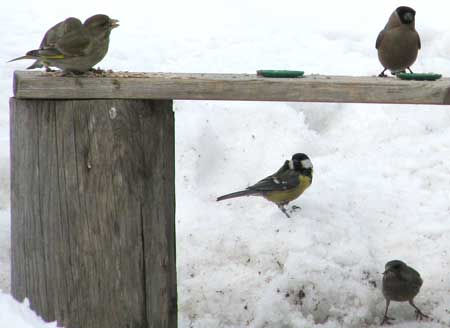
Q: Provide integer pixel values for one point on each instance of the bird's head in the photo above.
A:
(406, 14)
(300, 162)
(394, 267)
(101, 24)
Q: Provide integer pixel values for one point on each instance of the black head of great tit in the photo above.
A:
(401, 283)
(72, 46)
(398, 43)
(282, 187)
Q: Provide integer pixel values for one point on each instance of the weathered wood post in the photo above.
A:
(93, 210)
(92, 169)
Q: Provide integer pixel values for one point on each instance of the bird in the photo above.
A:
(400, 283)
(398, 43)
(282, 187)
(72, 46)
(54, 34)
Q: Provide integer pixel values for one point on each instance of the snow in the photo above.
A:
(382, 175)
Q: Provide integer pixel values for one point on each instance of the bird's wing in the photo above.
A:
(282, 169)
(75, 43)
(417, 279)
(57, 32)
(379, 39)
(418, 39)
(277, 182)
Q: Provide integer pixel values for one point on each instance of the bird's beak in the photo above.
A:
(114, 23)
(409, 17)
(387, 271)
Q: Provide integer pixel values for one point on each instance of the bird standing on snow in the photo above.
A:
(398, 43)
(282, 187)
(401, 283)
(72, 46)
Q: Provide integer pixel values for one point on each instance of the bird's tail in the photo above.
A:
(36, 64)
(22, 57)
(236, 194)
(32, 54)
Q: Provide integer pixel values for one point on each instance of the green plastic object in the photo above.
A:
(419, 76)
(279, 73)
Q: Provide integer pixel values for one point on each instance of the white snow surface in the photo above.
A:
(382, 172)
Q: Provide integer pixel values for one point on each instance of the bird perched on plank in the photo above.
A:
(401, 283)
(282, 187)
(398, 43)
(73, 46)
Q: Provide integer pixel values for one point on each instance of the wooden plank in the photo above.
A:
(29, 266)
(312, 88)
(93, 211)
(162, 296)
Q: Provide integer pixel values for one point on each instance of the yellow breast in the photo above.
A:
(286, 196)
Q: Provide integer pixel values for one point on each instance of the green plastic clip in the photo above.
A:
(419, 76)
(279, 73)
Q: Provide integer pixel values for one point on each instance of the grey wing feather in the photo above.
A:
(417, 279)
(76, 43)
(58, 31)
(379, 39)
(277, 182)
(282, 169)
(67, 37)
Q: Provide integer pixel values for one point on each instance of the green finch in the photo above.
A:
(72, 46)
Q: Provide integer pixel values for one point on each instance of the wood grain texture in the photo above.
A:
(312, 88)
(93, 211)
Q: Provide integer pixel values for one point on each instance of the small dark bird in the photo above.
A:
(72, 46)
(401, 283)
(282, 187)
(398, 43)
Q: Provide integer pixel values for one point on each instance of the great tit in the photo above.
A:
(401, 283)
(73, 46)
(398, 43)
(282, 187)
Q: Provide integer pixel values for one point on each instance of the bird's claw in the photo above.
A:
(382, 75)
(97, 70)
(295, 208)
(420, 315)
(386, 320)
(70, 74)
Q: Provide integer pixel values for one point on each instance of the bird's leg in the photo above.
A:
(419, 314)
(283, 209)
(382, 73)
(386, 318)
(70, 73)
(96, 70)
(410, 70)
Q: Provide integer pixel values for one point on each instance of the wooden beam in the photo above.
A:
(187, 86)
(93, 211)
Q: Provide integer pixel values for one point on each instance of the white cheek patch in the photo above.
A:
(291, 164)
(306, 163)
